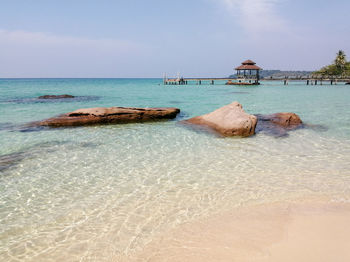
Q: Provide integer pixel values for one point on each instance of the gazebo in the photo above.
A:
(247, 73)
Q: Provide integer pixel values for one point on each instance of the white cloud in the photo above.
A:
(46, 39)
(257, 16)
(39, 54)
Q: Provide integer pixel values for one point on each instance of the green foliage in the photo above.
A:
(340, 60)
(340, 67)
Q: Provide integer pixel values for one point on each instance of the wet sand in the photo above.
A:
(300, 231)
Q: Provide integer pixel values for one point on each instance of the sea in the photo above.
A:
(95, 193)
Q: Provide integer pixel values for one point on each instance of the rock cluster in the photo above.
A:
(229, 120)
(232, 120)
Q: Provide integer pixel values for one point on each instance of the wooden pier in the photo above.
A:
(193, 81)
(310, 80)
(248, 74)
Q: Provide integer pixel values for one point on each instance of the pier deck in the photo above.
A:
(211, 80)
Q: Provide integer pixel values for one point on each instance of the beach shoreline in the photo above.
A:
(302, 230)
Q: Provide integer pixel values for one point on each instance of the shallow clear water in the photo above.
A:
(93, 193)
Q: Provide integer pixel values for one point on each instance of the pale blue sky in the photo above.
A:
(134, 38)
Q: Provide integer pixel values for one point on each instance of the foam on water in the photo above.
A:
(97, 192)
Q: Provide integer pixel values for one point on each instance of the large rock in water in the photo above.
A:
(229, 120)
(110, 115)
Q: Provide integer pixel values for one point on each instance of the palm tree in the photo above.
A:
(340, 67)
(340, 61)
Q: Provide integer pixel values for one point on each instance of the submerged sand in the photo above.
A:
(300, 231)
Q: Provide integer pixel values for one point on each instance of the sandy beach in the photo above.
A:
(301, 231)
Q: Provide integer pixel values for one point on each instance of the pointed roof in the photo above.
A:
(248, 62)
(248, 65)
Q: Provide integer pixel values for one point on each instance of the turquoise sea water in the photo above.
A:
(94, 193)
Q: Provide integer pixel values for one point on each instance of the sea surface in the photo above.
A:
(96, 193)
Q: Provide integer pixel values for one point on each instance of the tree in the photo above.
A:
(340, 61)
(340, 67)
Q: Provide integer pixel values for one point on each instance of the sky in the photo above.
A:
(193, 38)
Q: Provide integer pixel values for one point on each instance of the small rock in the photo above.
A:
(287, 120)
(278, 124)
(55, 96)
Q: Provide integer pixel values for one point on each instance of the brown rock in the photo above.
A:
(55, 96)
(278, 124)
(110, 115)
(287, 120)
(229, 120)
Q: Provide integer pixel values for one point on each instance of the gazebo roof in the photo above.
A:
(248, 62)
(248, 65)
